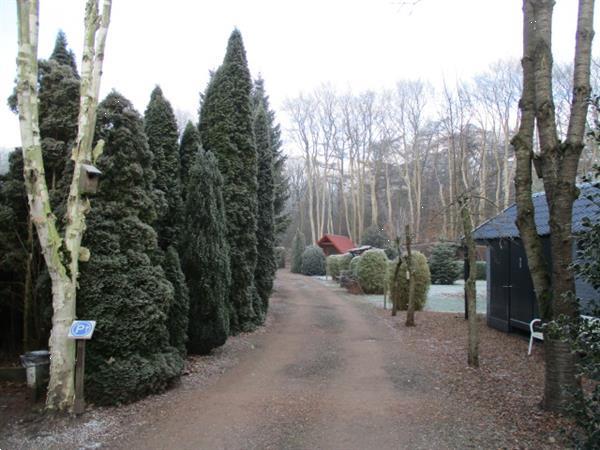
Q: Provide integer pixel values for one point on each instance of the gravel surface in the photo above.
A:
(329, 371)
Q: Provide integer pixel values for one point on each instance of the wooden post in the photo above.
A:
(79, 406)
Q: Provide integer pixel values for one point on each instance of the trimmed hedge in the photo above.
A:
(338, 263)
(354, 266)
(370, 271)
(280, 253)
(298, 247)
(313, 261)
(422, 278)
(481, 270)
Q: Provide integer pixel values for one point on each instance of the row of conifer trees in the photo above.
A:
(181, 231)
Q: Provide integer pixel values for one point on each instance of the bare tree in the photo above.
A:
(559, 162)
(61, 253)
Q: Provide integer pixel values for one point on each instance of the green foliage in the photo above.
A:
(280, 253)
(205, 256)
(121, 287)
(371, 270)
(354, 266)
(442, 264)
(399, 287)
(226, 130)
(161, 129)
(179, 309)
(298, 247)
(376, 237)
(332, 266)
(313, 261)
(188, 149)
(264, 273)
(281, 186)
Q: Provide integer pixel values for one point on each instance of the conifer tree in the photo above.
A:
(265, 245)
(280, 181)
(205, 256)
(226, 130)
(188, 149)
(121, 287)
(298, 247)
(160, 126)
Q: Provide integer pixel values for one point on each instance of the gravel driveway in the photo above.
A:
(327, 373)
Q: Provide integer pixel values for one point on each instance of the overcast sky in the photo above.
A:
(295, 45)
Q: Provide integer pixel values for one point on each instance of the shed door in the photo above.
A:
(498, 314)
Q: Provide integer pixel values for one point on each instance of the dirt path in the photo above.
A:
(328, 374)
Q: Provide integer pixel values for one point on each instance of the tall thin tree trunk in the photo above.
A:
(410, 313)
(470, 287)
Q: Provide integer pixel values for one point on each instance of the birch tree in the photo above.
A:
(559, 161)
(61, 253)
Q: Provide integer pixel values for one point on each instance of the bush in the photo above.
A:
(371, 271)
(280, 253)
(337, 264)
(442, 264)
(422, 279)
(313, 261)
(333, 266)
(298, 246)
(354, 266)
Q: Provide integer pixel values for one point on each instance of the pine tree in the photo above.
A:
(265, 245)
(188, 149)
(61, 54)
(280, 182)
(226, 130)
(160, 126)
(298, 247)
(205, 256)
(121, 287)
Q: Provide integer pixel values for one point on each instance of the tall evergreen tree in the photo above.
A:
(121, 287)
(205, 256)
(280, 182)
(226, 130)
(298, 247)
(265, 245)
(188, 150)
(160, 126)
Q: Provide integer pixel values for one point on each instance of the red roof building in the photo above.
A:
(334, 244)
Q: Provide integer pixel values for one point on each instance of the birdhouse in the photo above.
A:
(88, 179)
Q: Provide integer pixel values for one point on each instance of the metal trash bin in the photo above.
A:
(37, 368)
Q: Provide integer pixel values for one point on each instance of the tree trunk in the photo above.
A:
(470, 287)
(64, 282)
(559, 165)
(410, 312)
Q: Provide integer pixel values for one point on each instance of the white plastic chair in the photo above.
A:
(534, 334)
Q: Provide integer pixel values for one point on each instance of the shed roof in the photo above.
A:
(503, 225)
(341, 243)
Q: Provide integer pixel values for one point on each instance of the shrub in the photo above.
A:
(336, 264)
(371, 271)
(422, 279)
(333, 266)
(442, 264)
(280, 253)
(313, 261)
(354, 266)
(298, 246)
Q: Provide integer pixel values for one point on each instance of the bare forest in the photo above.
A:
(406, 155)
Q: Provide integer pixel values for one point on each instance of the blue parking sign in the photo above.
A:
(82, 329)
